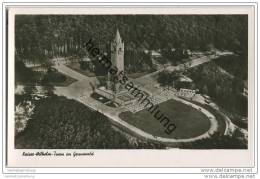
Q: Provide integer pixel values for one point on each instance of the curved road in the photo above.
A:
(81, 91)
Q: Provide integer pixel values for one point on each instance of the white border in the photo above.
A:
(136, 170)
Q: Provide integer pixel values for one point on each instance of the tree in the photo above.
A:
(39, 37)
(164, 78)
(217, 141)
(205, 89)
(60, 123)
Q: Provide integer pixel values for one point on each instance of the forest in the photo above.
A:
(60, 123)
(226, 91)
(40, 37)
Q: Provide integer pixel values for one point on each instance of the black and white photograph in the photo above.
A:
(126, 88)
(131, 81)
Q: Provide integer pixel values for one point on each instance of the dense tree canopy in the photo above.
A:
(61, 123)
(41, 36)
(226, 91)
(217, 141)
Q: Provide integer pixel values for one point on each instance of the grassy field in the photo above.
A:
(189, 121)
(67, 82)
(76, 67)
(138, 74)
(218, 114)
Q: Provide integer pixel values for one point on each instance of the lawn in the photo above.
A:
(138, 74)
(100, 98)
(189, 121)
(76, 67)
(69, 80)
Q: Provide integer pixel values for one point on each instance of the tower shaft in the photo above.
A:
(117, 59)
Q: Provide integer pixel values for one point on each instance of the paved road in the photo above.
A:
(81, 91)
(78, 88)
(149, 81)
(66, 70)
(193, 63)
